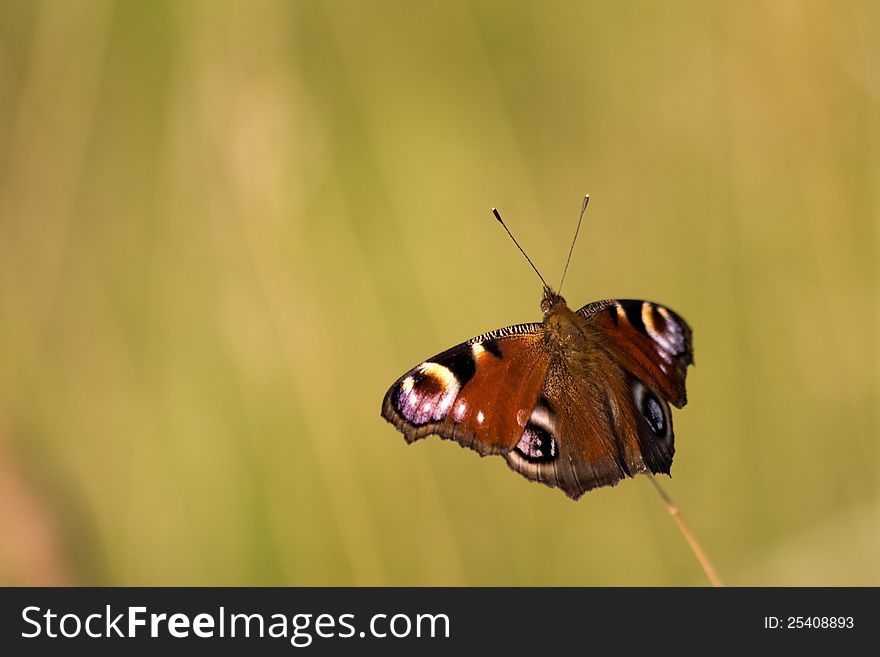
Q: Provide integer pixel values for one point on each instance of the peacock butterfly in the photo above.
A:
(577, 401)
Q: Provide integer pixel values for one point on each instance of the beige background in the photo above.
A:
(226, 228)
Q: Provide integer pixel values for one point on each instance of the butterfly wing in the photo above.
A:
(603, 414)
(571, 440)
(650, 341)
(479, 393)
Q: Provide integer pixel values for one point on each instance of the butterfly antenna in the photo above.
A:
(500, 221)
(571, 250)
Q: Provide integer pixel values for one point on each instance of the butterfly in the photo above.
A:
(577, 401)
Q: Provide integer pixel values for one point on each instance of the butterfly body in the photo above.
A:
(577, 401)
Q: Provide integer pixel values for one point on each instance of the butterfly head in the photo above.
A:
(562, 326)
(551, 301)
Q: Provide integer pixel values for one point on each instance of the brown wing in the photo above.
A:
(479, 393)
(653, 347)
(650, 341)
(594, 431)
(571, 440)
(603, 413)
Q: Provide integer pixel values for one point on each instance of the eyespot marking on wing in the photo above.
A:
(653, 411)
(538, 441)
(426, 394)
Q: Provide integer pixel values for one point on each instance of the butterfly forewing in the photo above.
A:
(649, 340)
(479, 393)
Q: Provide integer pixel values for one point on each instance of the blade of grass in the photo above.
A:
(689, 536)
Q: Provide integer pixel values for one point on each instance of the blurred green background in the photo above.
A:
(227, 228)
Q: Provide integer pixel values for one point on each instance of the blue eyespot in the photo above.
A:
(653, 413)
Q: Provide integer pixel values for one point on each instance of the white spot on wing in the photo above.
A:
(676, 333)
(666, 342)
(543, 418)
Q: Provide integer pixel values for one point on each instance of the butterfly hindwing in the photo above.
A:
(575, 450)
